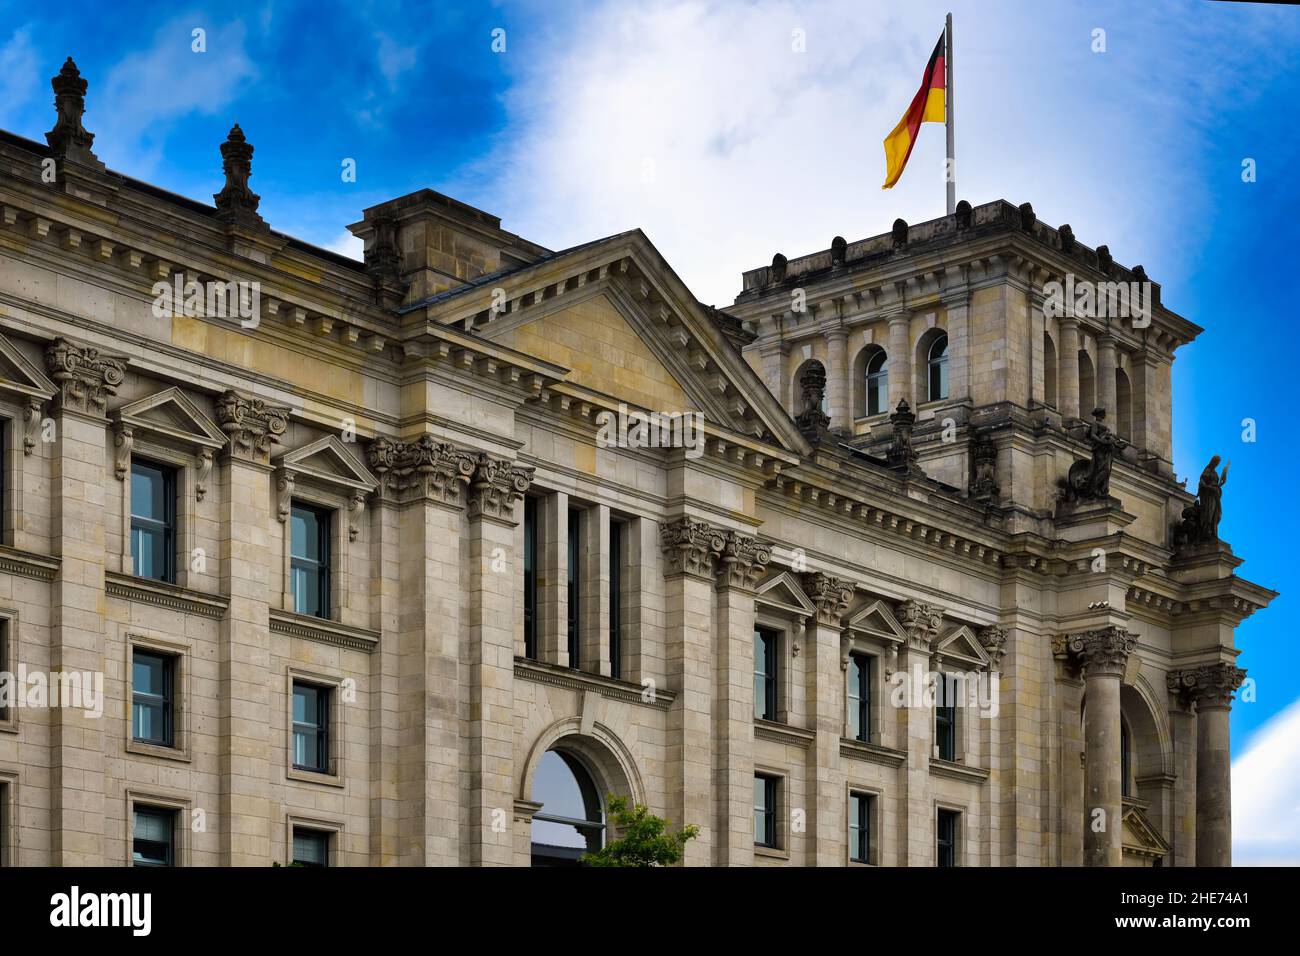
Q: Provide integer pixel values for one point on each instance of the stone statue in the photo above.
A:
(984, 467)
(1200, 524)
(811, 420)
(901, 455)
(1089, 480)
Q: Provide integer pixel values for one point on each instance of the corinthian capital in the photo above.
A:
(1212, 686)
(494, 486)
(691, 546)
(829, 595)
(742, 560)
(253, 425)
(920, 621)
(86, 377)
(427, 469)
(1103, 651)
(993, 639)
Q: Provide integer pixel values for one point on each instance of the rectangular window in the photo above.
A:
(945, 717)
(309, 563)
(4, 824)
(153, 521)
(5, 503)
(311, 712)
(530, 578)
(575, 594)
(616, 533)
(7, 668)
(859, 693)
(946, 838)
(153, 841)
(765, 643)
(311, 847)
(860, 827)
(764, 810)
(152, 682)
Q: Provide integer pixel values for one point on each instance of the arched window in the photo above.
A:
(937, 368)
(1124, 405)
(1049, 371)
(871, 369)
(1125, 759)
(1087, 386)
(571, 820)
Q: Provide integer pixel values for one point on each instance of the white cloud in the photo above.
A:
(346, 244)
(1266, 795)
(699, 123)
(19, 71)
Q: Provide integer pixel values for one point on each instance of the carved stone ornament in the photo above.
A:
(252, 424)
(86, 378)
(32, 416)
(494, 487)
(812, 422)
(1089, 479)
(984, 467)
(284, 482)
(1200, 524)
(691, 546)
(829, 595)
(356, 510)
(123, 442)
(921, 622)
(203, 471)
(902, 456)
(69, 140)
(425, 469)
(993, 639)
(1103, 651)
(742, 560)
(1210, 685)
(237, 203)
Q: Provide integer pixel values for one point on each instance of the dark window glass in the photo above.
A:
(938, 367)
(311, 727)
(764, 810)
(1124, 759)
(877, 383)
(152, 677)
(311, 847)
(5, 504)
(616, 529)
(765, 642)
(575, 572)
(153, 521)
(860, 697)
(945, 717)
(530, 578)
(153, 842)
(309, 561)
(946, 838)
(859, 828)
(4, 666)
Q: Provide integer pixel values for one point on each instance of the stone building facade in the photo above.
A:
(368, 582)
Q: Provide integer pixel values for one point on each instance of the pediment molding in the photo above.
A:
(783, 593)
(1140, 836)
(171, 419)
(327, 464)
(22, 378)
(960, 644)
(877, 620)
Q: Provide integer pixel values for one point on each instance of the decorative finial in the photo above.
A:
(236, 203)
(69, 140)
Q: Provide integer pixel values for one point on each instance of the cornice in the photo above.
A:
(607, 687)
(957, 771)
(28, 564)
(322, 631)
(170, 596)
(872, 753)
(784, 734)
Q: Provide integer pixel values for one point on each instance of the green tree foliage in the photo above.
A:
(645, 840)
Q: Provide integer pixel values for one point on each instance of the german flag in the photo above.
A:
(928, 106)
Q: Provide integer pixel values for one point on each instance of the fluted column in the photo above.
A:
(837, 379)
(740, 566)
(900, 359)
(1103, 654)
(1067, 375)
(691, 548)
(1106, 365)
(1212, 686)
(826, 783)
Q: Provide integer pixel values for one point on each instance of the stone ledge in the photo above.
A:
(783, 733)
(322, 631)
(160, 594)
(28, 564)
(957, 771)
(872, 753)
(541, 673)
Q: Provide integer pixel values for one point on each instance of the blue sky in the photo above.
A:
(701, 123)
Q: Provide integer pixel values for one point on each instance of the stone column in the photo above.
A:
(488, 661)
(691, 548)
(593, 589)
(246, 747)
(1070, 786)
(1067, 374)
(86, 379)
(385, 663)
(993, 639)
(1212, 686)
(825, 677)
(1182, 728)
(959, 346)
(1103, 654)
(740, 566)
(916, 730)
(837, 379)
(426, 479)
(1106, 376)
(899, 361)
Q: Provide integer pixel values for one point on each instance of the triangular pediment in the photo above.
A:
(1140, 835)
(783, 593)
(19, 375)
(619, 321)
(172, 414)
(962, 646)
(328, 460)
(876, 619)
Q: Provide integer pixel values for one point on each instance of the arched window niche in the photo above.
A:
(571, 818)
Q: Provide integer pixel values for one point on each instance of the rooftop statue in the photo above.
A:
(1089, 479)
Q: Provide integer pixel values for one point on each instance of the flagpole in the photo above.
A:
(950, 172)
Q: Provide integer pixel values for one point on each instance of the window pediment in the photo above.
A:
(960, 645)
(22, 382)
(327, 465)
(783, 594)
(171, 419)
(877, 620)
